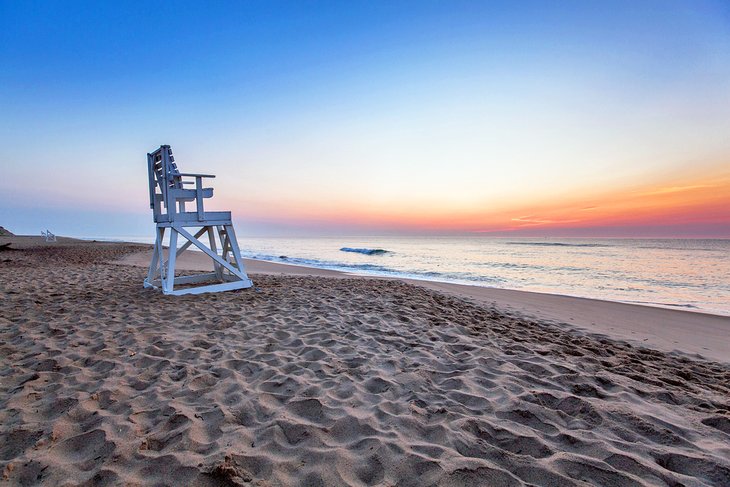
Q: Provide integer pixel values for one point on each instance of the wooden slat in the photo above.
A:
(214, 288)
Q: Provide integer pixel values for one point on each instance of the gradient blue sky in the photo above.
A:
(367, 117)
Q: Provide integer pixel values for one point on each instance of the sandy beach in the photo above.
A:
(702, 335)
(320, 378)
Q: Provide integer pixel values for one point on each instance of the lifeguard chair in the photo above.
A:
(168, 197)
(50, 237)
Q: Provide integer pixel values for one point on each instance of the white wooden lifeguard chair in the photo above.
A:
(168, 196)
(48, 236)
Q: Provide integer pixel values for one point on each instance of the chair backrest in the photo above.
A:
(163, 174)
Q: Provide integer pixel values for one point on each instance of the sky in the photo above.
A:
(573, 119)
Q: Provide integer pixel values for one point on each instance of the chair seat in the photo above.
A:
(190, 218)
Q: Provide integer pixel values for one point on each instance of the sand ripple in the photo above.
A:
(316, 381)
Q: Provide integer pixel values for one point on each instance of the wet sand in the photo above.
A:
(314, 380)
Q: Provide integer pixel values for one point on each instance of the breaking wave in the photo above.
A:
(365, 251)
(379, 270)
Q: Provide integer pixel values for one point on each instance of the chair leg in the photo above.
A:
(216, 266)
(234, 247)
(228, 269)
(224, 242)
(172, 252)
(155, 260)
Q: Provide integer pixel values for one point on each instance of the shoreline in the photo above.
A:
(696, 333)
(437, 283)
(414, 276)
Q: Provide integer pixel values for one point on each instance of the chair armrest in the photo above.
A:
(188, 174)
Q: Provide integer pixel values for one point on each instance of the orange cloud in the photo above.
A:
(703, 200)
(692, 202)
(676, 189)
(532, 220)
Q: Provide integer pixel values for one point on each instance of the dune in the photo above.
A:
(315, 378)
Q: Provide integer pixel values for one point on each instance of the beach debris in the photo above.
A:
(8, 470)
(229, 472)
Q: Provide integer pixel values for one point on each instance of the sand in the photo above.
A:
(315, 380)
(702, 335)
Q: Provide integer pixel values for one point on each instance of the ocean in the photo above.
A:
(690, 274)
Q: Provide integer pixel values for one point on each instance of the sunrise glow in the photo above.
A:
(580, 120)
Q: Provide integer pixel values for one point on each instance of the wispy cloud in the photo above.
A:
(676, 189)
(533, 220)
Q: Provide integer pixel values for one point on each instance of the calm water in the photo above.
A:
(687, 274)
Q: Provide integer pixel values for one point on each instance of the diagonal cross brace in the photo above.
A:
(189, 243)
(210, 253)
